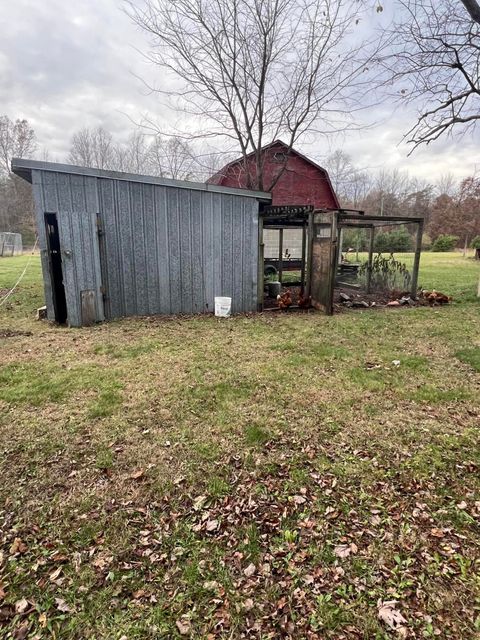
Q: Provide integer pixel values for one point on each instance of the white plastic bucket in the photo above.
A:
(223, 307)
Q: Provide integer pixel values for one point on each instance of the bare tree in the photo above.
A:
(435, 63)
(446, 185)
(131, 156)
(473, 8)
(340, 170)
(17, 139)
(92, 148)
(173, 158)
(351, 184)
(253, 70)
(139, 153)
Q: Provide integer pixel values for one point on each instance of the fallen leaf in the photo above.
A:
(299, 500)
(21, 632)
(183, 627)
(250, 570)
(212, 525)
(136, 475)
(42, 620)
(54, 575)
(7, 611)
(462, 505)
(438, 533)
(18, 546)
(391, 617)
(211, 585)
(199, 502)
(62, 605)
(21, 605)
(248, 604)
(342, 551)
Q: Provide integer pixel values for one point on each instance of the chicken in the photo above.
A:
(304, 302)
(285, 300)
(435, 297)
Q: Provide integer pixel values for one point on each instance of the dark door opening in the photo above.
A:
(56, 272)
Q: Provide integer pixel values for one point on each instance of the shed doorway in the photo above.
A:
(56, 270)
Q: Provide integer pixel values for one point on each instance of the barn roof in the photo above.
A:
(278, 142)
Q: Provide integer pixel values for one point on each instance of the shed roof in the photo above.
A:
(23, 168)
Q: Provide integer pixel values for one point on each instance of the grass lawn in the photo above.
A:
(269, 476)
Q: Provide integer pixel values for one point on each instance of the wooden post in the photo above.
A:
(261, 266)
(416, 260)
(370, 259)
(304, 254)
(280, 255)
(309, 254)
(340, 244)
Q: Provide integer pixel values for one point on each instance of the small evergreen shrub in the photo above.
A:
(445, 242)
(398, 240)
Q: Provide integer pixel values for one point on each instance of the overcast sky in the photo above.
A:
(67, 65)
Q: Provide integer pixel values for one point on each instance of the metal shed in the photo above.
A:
(115, 244)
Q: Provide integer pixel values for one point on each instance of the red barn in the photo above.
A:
(301, 180)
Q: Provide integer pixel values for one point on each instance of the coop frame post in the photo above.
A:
(304, 254)
(261, 266)
(340, 246)
(309, 254)
(416, 260)
(370, 259)
(280, 255)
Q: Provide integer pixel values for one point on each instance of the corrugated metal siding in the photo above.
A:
(164, 249)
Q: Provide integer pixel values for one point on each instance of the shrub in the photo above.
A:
(391, 241)
(388, 274)
(426, 242)
(475, 244)
(355, 239)
(445, 242)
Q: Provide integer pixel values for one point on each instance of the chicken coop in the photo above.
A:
(115, 244)
(320, 265)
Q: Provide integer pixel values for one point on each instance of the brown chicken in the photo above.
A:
(304, 302)
(435, 297)
(285, 299)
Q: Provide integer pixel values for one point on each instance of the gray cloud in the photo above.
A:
(66, 65)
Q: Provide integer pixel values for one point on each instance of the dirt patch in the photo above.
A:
(11, 333)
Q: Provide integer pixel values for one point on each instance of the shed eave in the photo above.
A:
(24, 167)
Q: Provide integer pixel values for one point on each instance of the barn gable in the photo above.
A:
(295, 178)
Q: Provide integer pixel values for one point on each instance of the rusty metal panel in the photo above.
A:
(323, 261)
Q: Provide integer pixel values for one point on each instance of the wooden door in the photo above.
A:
(323, 246)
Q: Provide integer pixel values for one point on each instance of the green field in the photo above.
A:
(267, 476)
